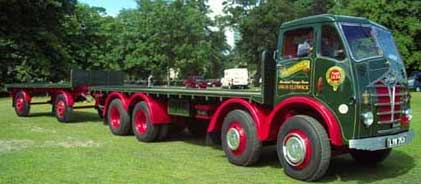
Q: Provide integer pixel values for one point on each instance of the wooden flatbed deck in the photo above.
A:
(250, 94)
(44, 85)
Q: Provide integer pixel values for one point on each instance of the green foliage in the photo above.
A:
(31, 39)
(402, 17)
(88, 38)
(259, 27)
(42, 40)
(160, 35)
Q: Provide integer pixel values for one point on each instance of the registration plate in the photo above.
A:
(395, 141)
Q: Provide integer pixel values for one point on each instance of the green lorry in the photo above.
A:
(335, 84)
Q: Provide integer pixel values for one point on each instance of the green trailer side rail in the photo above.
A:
(249, 94)
(75, 79)
(65, 85)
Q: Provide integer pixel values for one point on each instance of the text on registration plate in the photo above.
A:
(395, 141)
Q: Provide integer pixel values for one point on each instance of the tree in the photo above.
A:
(259, 29)
(403, 18)
(30, 39)
(160, 35)
(88, 37)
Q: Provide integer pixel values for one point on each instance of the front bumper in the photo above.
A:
(379, 143)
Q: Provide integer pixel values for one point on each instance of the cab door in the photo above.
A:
(296, 55)
(333, 79)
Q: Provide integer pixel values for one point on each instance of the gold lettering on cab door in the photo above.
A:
(294, 85)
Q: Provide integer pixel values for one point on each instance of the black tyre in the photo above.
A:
(369, 157)
(118, 119)
(22, 106)
(197, 128)
(63, 111)
(303, 148)
(142, 126)
(163, 132)
(239, 138)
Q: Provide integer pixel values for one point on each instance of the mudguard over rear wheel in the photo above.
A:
(303, 148)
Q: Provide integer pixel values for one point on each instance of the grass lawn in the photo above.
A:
(38, 149)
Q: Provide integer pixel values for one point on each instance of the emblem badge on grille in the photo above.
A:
(390, 79)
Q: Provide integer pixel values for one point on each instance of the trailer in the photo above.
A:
(63, 95)
(334, 85)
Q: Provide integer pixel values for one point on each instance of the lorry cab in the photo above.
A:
(350, 65)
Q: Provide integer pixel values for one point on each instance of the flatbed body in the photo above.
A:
(254, 94)
(42, 85)
(63, 94)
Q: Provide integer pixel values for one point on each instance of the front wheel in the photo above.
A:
(239, 138)
(303, 148)
(370, 157)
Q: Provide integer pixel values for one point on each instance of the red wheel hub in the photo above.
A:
(297, 149)
(140, 120)
(19, 104)
(236, 138)
(60, 108)
(115, 117)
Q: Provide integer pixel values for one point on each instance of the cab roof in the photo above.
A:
(325, 18)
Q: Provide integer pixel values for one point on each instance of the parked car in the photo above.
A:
(195, 82)
(414, 81)
(214, 83)
(235, 78)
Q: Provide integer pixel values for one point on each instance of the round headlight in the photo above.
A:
(408, 113)
(367, 118)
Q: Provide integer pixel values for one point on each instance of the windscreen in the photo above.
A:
(368, 41)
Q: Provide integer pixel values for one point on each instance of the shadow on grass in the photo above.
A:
(344, 168)
(77, 116)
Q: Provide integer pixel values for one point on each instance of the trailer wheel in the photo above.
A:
(21, 105)
(118, 119)
(303, 148)
(239, 138)
(142, 126)
(369, 157)
(62, 110)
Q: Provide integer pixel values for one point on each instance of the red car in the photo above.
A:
(214, 83)
(195, 82)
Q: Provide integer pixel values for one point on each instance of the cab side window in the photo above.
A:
(297, 43)
(331, 45)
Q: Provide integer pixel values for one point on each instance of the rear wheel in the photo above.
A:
(142, 126)
(369, 157)
(118, 119)
(239, 138)
(62, 110)
(22, 106)
(303, 148)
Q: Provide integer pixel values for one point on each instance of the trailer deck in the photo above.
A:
(42, 85)
(63, 94)
(250, 94)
